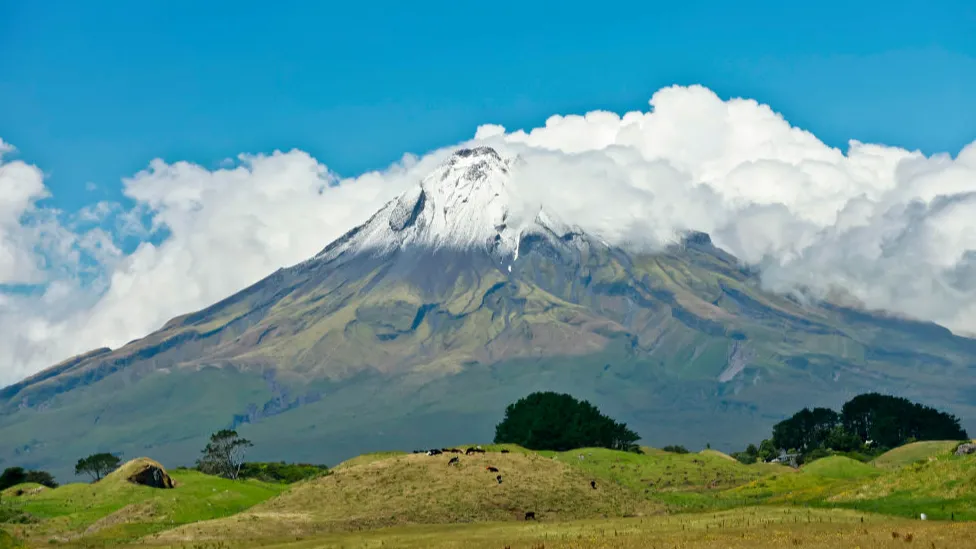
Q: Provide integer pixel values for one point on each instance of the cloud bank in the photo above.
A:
(892, 229)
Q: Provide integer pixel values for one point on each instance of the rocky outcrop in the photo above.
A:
(144, 472)
(965, 449)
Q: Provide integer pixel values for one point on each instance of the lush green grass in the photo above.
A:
(681, 481)
(118, 510)
(942, 487)
(812, 484)
(916, 451)
(840, 467)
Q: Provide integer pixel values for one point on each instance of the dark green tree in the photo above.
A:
(224, 454)
(890, 421)
(97, 465)
(553, 421)
(12, 476)
(806, 430)
(43, 478)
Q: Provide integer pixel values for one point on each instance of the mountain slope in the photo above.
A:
(419, 326)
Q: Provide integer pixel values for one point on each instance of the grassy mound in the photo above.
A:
(366, 459)
(716, 453)
(813, 483)
(117, 509)
(840, 467)
(916, 451)
(418, 489)
(23, 490)
(681, 481)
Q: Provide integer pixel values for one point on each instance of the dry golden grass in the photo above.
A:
(417, 489)
(749, 528)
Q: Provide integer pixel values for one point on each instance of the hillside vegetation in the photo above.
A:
(116, 509)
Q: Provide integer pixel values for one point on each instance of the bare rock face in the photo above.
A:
(966, 449)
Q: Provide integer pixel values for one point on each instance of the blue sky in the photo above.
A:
(90, 92)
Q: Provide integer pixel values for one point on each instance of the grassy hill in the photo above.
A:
(115, 509)
(420, 489)
(943, 487)
(812, 483)
(916, 451)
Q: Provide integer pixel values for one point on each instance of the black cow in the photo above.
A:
(530, 515)
(499, 479)
(492, 469)
(454, 461)
(593, 484)
(434, 452)
(504, 451)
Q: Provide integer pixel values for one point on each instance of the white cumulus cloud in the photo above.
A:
(892, 228)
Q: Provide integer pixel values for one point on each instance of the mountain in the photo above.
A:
(418, 327)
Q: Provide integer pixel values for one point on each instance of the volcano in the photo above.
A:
(418, 327)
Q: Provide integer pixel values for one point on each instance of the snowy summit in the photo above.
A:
(464, 204)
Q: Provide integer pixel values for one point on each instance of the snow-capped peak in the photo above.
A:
(465, 203)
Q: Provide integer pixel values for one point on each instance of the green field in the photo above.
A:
(606, 499)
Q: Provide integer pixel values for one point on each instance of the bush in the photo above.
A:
(552, 421)
(286, 473)
(675, 449)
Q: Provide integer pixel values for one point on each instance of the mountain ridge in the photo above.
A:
(415, 326)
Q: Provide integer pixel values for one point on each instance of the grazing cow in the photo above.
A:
(434, 452)
(499, 479)
(454, 461)
(530, 515)
(469, 451)
(491, 469)
(593, 484)
(454, 451)
(504, 451)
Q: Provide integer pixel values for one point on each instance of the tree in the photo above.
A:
(767, 450)
(224, 454)
(43, 478)
(97, 465)
(553, 421)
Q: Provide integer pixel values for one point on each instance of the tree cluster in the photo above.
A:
(868, 423)
(13, 476)
(553, 421)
